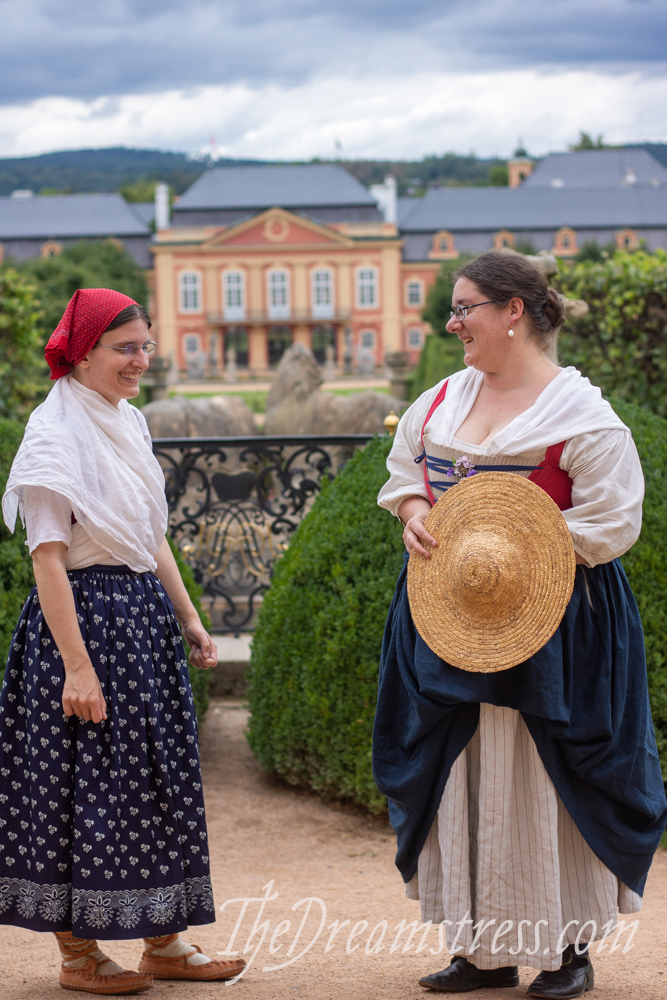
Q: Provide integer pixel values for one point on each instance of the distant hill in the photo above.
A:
(415, 176)
(83, 170)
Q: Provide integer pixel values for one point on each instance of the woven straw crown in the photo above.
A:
(497, 584)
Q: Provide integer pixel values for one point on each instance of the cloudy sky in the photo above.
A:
(300, 78)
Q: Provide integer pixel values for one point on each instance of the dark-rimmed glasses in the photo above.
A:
(461, 312)
(130, 350)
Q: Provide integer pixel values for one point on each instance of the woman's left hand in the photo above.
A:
(203, 652)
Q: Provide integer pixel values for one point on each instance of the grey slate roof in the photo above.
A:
(263, 187)
(405, 207)
(144, 209)
(68, 215)
(525, 208)
(593, 168)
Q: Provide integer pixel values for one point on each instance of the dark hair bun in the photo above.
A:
(553, 309)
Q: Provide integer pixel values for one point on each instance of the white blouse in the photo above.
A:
(607, 480)
(48, 518)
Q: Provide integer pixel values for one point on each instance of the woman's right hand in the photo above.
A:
(82, 693)
(413, 513)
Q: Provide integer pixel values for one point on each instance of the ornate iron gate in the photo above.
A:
(234, 504)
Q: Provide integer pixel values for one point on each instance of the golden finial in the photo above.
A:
(391, 423)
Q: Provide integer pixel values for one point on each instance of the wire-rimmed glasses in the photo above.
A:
(461, 312)
(131, 350)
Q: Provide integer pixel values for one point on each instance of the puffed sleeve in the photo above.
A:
(48, 516)
(607, 493)
(406, 477)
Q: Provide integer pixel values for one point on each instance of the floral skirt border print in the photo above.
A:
(102, 827)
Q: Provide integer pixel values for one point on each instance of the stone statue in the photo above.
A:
(296, 404)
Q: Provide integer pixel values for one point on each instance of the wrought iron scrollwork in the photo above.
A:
(234, 504)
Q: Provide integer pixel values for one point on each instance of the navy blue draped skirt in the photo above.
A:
(102, 826)
(583, 697)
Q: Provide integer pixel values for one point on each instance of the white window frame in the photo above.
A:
(367, 287)
(189, 292)
(419, 338)
(322, 281)
(233, 295)
(410, 286)
(191, 345)
(370, 336)
(278, 305)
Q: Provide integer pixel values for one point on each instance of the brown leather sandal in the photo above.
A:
(161, 967)
(87, 980)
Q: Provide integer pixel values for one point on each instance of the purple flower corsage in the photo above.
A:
(460, 469)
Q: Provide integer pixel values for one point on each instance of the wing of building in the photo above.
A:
(41, 225)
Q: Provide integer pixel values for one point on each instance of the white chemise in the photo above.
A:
(85, 475)
(503, 846)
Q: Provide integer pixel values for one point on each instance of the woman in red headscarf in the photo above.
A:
(102, 825)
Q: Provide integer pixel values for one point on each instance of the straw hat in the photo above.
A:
(496, 586)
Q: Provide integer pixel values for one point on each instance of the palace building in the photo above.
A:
(258, 258)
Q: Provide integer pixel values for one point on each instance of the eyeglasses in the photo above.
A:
(130, 350)
(461, 312)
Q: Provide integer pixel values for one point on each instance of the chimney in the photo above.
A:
(161, 206)
(385, 196)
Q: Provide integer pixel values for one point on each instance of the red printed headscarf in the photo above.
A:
(88, 314)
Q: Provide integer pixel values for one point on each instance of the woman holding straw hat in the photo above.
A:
(102, 826)
(528, 801)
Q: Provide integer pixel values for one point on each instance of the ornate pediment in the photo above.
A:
(275, 228)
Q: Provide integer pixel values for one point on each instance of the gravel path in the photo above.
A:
(265, 833)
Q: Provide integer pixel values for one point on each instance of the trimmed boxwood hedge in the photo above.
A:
(315, 653)
(17, 580)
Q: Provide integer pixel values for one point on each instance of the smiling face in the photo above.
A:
(484, 332)
(111, 373)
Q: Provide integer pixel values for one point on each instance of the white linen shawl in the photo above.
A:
(600, 456)
(93, 453)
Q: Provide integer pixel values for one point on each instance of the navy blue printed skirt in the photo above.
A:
(102, 826)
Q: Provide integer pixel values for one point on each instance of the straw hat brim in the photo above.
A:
(499, 580)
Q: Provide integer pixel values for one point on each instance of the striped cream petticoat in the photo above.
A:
(503, 848)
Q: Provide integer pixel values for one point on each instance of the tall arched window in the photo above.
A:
(414, 293)
(278, 294)
(367, 288)
(322, 293)
(189, 284)
(233, 295)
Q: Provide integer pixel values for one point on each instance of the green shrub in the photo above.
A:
(313, 675)
(646, 562)
(439, 299)
(17, 580)
(84, 264)
(440, 356)
(621, 344)
(316, 648)
(23, 370)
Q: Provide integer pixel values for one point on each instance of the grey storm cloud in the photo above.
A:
(79, 49)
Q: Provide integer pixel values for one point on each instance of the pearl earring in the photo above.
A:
(510, 332)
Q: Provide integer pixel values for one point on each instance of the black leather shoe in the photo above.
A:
(463, 977)
(571, 980)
